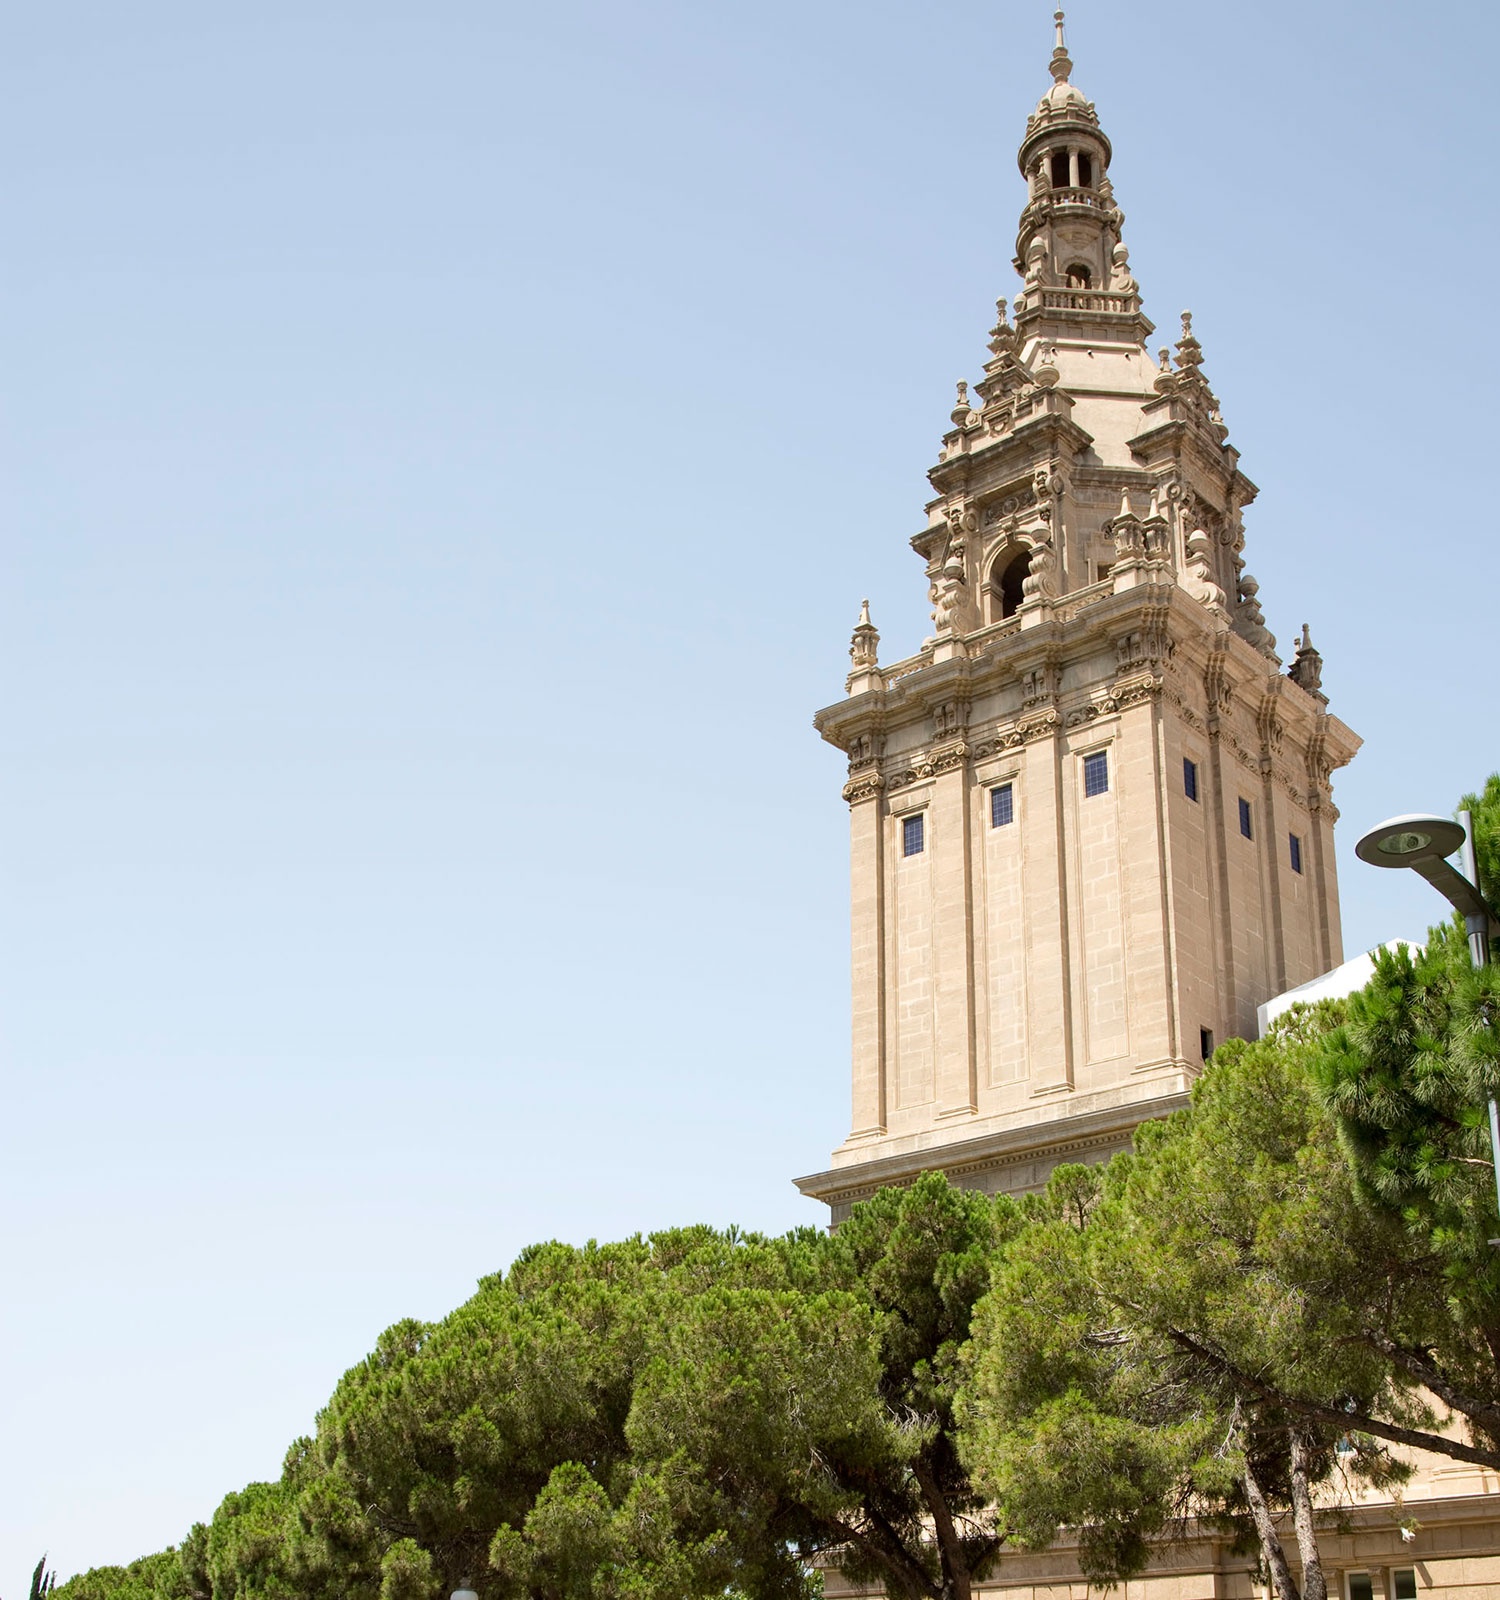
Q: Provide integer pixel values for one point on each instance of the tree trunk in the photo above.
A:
(1270, 1540)
(956, 1581)
(1314, 1583)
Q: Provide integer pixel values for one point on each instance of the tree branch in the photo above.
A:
(1345, 1421)
(1431, 1377)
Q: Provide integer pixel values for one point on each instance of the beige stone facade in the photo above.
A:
(1454, 1555)
(1091, 821)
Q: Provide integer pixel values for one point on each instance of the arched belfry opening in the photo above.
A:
(1079, 276)
(1007, 575)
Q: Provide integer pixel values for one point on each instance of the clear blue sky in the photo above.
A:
(448, 445)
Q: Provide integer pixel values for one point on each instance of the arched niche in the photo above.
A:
(1003, 591)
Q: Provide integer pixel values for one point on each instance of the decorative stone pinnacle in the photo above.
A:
(865, 642)
(1189, 351)
(961, 405)
(1307, 666)
(1060, 66)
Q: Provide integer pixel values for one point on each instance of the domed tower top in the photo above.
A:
(1064, 100)
(1068, 248)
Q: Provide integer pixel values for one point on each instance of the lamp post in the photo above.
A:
(463, 1591)
(1424, 844)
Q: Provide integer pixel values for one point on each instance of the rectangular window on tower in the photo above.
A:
(1096, 773)
(1296, 851)
(1245, 819)
(1190, 778)
(1404, 1584)
(911, 836)
(1002, 806)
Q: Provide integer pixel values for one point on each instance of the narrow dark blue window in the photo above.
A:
(1190, 778)
(911, 836)
(1096, 773)
(1002, 806)
(1296, 845)
(1245, 819)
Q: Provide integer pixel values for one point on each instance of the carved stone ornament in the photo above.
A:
(1040, 581)
(1250, 623)
(1148, 645)
(863, 750)
(946, 760)
(1197, 576)
(1091, 712)
(1136, 690)
(1038, 684)
(1040, 727)
(950, 717)
(865, 787)
(1218, 688)
(944, 597)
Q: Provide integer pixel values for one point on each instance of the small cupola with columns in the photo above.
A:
(1068, 250)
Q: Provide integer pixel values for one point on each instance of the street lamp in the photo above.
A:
(1424, 844)
(463, 1591)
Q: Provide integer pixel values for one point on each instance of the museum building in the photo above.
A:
(1091, 821)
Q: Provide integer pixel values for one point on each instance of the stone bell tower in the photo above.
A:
(1091, 825)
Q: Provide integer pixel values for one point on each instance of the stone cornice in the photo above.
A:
(1060, 1137)
(1009, 455)
(1061, 632)
(1164, 644)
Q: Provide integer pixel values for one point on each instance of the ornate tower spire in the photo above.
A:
(1061, 66)
(1069, 248)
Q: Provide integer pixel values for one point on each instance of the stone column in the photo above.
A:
(1073, 182)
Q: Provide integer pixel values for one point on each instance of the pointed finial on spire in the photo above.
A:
(864, 615)
(1060, 66)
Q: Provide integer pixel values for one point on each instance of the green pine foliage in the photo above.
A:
(1283, 1288)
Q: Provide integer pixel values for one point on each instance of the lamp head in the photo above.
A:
(1405, 841)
